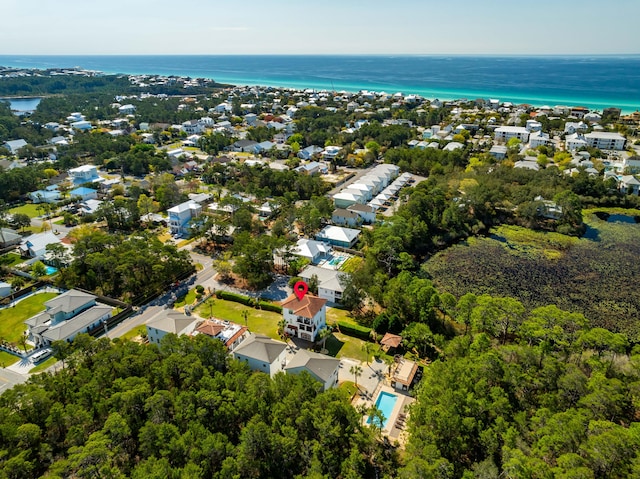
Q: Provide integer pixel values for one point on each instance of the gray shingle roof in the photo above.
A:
(261, 348)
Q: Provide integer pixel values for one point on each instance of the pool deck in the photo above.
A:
(395, 428)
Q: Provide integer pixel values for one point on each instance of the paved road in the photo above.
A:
(9, 378)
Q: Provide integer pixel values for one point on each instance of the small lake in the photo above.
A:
(23, 105)
(615, 218)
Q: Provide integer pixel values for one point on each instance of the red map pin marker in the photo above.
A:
(300, 289)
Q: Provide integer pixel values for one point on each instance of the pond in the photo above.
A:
(617, 218)
(23, 105)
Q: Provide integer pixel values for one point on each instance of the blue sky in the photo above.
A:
(328, 27)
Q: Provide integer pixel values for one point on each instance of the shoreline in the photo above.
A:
(287, 78)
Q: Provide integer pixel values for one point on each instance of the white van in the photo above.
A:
(40, 355)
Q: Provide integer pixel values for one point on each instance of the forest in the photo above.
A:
(181, 410)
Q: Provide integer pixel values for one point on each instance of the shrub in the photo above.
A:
(354, 330)
(236, 298)
(199, 289)
(276, 308)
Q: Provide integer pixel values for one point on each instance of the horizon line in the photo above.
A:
(496, 54)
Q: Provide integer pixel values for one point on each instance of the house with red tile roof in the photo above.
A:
(304, 317)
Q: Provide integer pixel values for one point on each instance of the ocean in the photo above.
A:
(595, 82)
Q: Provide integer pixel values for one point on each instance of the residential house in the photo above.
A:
(180, 217)
(84, 174)
(246, 146)
(231, 334)
(308, 152)
(304, 317)
(169, 321)
(538, 138)
(314, 251)
(310, 168)
(127, 109)
(505, 133)
(329, 282)
(604, 140)
(321, 367)
(5, 289)
(629, 184)
(35, 246)
(331, 152)
(575, 141)
(14, 145)
(345, 199)
(9, 237)
(262, 353)
(366, 212)
(571, 127)
(81, 125)
(192, 127)
(83, 194)
(343, 217)
(66, 316)
(339, 236)
(365, 189)
(263, 147)
(49, 195)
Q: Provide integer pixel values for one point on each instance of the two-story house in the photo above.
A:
(304, 317)
(66, 316)
(180, 217)
(84, 174)
(262, 353)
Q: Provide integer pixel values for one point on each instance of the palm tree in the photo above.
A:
(23, 341)
(356, 370)
(323, 335)
(367, 348)
(245, 316)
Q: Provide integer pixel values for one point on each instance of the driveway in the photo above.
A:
(371, 376)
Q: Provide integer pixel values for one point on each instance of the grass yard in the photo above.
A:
(7, 359)
(343, 346)
(13, 258)
(43, 365)
(134, 332)
(258, 321)
(186, 300)
(29, 209)
(12, 319)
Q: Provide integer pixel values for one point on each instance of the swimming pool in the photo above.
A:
(385, 402)
(336, 260)
(51, 270)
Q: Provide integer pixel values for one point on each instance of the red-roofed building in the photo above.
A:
(231, 334)
(306, 317)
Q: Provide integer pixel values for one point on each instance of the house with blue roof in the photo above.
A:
(83, 193)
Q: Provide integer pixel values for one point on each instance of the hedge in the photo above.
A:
(236, 298)
(354, 330)
(247, 301)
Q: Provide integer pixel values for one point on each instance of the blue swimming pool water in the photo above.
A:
(51, 270)
(385, 402)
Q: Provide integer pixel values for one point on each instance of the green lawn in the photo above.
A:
(343, 346)
(43, 365)
(258, 321)
(133, 332)
(29, 209)
(186, 300)
(15, 259)
(7, 359)
(12, 319)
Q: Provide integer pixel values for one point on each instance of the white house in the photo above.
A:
(538, 138)
(304, 317)
(321, 367)
(629, 184)
(343, 217)
(127, 109)
(366, 212)
(314, 251)
(329, 285)
(65, 316)
(505, 133)
(14, 145)
(35, 246)
(575, 141)
(84, 174)
(367, 190)
(84, 194)
(339, 236)
(192, 127)
(5, 289)
(262, 353)
(169, 321)
(180, 217)
(81, 125)
(605, 140)
(345, 198)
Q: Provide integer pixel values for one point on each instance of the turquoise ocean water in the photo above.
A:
(593, 81)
